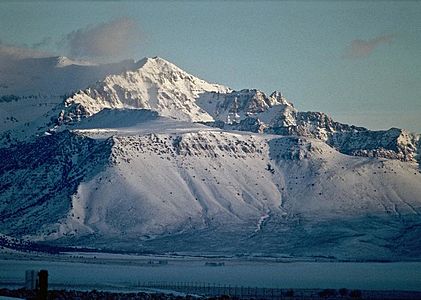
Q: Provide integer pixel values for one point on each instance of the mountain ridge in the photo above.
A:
(161, 86)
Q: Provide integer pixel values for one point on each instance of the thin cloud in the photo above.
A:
(363, 48)
(106, 40)
(20, 52)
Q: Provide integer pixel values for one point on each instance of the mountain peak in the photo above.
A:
(155, 84)
(161, 66)
(158, 59)
(154, 60)
(279, 97)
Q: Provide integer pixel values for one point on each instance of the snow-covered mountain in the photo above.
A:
(161, 86)
(155, 159)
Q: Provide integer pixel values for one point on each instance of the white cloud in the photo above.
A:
(106, 40)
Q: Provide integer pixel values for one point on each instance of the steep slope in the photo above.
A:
(235, 106)
(38, 177)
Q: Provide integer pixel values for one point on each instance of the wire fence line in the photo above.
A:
(213, 290)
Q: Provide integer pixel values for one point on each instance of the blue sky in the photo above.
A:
(358, 61)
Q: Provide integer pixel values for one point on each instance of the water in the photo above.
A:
(126, 274)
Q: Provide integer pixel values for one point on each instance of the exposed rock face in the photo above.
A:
(235, 106)
(393, 143)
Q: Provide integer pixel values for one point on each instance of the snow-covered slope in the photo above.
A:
(141, 190)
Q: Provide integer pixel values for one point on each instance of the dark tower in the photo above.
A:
(43, 285)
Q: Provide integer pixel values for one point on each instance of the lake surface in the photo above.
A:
(127, 274)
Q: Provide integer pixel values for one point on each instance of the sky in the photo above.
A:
(359, 62)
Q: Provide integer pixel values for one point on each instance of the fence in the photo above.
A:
(212, 290)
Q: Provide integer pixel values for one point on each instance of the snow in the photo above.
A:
(123, 165)
(260, 222)
(167, 179)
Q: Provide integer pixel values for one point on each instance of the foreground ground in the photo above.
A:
(285, 294)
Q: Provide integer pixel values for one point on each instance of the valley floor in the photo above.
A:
(128, 273)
